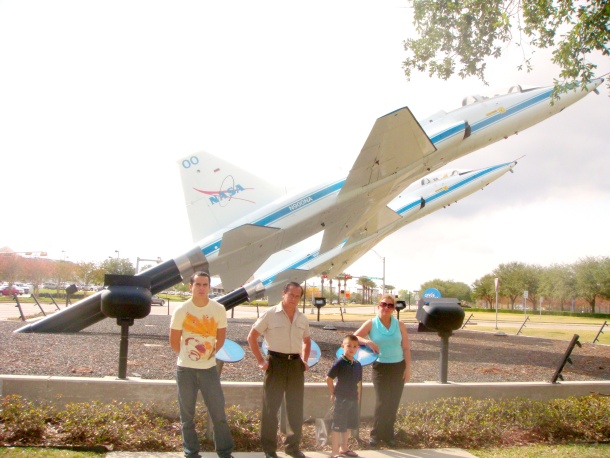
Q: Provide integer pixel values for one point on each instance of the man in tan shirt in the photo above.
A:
(286, 331)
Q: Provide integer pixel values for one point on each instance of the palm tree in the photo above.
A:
(362, 281)
(371, 286)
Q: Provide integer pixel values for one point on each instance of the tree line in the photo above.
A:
(36, 270)
(586, 281)
(558, 285)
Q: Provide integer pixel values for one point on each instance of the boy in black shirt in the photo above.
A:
(345, 396)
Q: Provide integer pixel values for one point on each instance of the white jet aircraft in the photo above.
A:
(397, 152)
(242, 220)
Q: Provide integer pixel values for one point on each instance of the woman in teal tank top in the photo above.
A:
(387, 336)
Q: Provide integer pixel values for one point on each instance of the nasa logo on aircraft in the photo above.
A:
(227, 192)
(228, 188)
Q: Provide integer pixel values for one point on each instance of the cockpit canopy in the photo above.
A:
(440, 175)
(470, 99)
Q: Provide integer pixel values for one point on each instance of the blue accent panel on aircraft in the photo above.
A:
(212, 248)
(448, 133)
(401, 211)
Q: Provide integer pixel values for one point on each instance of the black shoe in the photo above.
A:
(374, 443)
(297, 454)
(270, 455)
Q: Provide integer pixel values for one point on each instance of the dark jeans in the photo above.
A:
(388, 384)
(283, 377)
(190, 381)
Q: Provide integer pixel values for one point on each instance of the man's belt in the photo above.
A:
(276, 354)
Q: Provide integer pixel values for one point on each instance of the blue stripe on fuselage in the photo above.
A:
(288, 209)
(440, 137)
(401, 211)
(477, 127)
(447, 134)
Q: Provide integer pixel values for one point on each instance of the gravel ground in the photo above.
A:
(473, 356)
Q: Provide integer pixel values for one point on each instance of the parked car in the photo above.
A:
(26, 287)
(9, 291)
(156, 300)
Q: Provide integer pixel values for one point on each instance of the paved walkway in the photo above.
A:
(403, 453)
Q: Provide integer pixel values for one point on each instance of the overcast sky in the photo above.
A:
(99, 100)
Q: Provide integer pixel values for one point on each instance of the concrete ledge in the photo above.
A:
(248, 396)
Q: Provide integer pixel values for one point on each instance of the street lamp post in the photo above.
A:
(496, 282)
(158, 261)
(117, 253)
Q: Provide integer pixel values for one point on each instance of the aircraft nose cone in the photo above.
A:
(595, 83)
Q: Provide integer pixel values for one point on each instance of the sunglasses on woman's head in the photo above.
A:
(388, 305)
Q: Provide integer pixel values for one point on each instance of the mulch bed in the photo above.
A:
(473, 356)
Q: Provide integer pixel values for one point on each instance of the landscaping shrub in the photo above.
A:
(468, 423)
(453, 422)
(22, 421)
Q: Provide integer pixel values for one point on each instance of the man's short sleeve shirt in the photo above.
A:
(199, 326)
(281, 335)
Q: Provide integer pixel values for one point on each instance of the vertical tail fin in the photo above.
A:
(217, 193)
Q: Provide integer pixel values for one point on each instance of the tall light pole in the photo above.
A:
(496, 286)
(117, 253)
(158, 261)
(496, 282)
(383, 276)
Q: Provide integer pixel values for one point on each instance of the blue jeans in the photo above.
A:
(189, 382)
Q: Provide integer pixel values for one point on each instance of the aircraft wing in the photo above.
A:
(395, 150)
(383, 218)
(243, 250)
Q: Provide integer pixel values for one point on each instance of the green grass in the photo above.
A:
(557, 334)
(561, 332)
(515, 320)
(546, 451)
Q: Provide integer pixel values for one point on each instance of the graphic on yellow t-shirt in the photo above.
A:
(206, 328)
